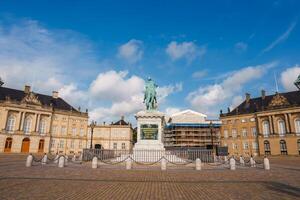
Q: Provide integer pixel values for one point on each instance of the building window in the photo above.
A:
(63, 130)
(233, 133)
(52, 143)
(234, 146)
(123, 146)
(72, 144)
(267, 147)
(245, 145)
(297, 126)
(283, 148)
(61, 144)
(244, 120)
(81, 132)
(54, 130)
(27, 125)
(10, 126)
(115, 146)
(74, 131)
(244, 132)
(281, 127)
(254, 145)
(266, 128)
(42, 126)
(253, 130)
(252, 119)
(225, 133)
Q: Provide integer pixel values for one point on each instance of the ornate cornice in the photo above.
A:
(278, 100)
(31, 98)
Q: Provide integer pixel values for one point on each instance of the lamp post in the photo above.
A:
(92, 125)
(211, 135)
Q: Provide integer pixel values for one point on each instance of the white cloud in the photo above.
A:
(114, 85)
(241, 46)
(199, 74)
(132, 51)
(171, 110)
(163, 92)
(56, 59)
(73, 95)
(208, 99)
(31, 54)
(288, 77)
(281, 38)
(236, 101)
(187, 50)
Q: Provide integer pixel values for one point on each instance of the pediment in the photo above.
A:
(278, 100)
(31, 98)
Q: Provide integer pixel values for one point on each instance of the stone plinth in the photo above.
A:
(149, 130)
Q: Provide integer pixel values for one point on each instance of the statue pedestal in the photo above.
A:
(149, 130)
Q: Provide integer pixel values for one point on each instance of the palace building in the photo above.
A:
(191, 129)
(37, 123)
(266, 125)
(117, 135)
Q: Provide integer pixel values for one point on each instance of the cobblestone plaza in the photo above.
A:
(114, 182)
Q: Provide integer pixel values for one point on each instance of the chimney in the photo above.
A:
(122, 117)
(27, 89)
(247, 97)
(263, 94)
(55, 94)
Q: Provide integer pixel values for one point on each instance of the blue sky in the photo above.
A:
(204, 56)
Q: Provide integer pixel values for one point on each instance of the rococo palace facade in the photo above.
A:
(266, 125)
(37, 123)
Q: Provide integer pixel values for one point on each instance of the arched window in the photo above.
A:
(42, 126)
(11, 120)
(266, 128)
(27, 125)
(297, 126)
(283, 148)
(267, 147)
(281, 127)
(8, 144)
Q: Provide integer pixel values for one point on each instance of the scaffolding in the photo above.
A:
(192, 135)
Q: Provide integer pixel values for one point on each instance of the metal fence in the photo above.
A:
(151, 156)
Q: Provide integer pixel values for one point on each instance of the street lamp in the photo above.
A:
(92, 125)
(211, 134)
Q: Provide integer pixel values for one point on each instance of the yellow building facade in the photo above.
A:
(267, 125)
(37, 123)
(117, 136)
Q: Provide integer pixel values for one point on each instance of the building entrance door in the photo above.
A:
(25, 145)
(41, 146)
(8, 144)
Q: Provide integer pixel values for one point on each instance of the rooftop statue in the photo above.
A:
(150, 95)
(297, 82)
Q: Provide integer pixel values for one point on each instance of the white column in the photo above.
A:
(287, 124)
(37, 123)
(20, 125)
(271, 124)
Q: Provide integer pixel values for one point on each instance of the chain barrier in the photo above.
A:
(113, 163)
(182, 164)
(146, 164)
